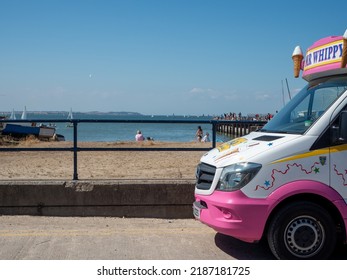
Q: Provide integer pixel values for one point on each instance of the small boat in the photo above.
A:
(70, 117)
(13, 115)
(58, 137)
(20, 130)
(24, 114)
(25, 129)
(46, 131)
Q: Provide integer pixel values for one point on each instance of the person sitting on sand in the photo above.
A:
(139, 136)
(206, 138)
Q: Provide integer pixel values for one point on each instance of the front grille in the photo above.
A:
(204, 176)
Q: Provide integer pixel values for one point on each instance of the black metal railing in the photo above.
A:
(75, 148)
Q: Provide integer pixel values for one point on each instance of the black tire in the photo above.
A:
(302, 230)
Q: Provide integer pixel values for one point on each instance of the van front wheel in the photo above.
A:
(302, 230)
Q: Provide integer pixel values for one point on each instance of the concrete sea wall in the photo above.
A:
(116, 198)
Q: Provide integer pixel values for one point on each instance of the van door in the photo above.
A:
(338, 154)
(334, 139)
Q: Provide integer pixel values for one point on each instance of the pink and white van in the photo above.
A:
(288, 181)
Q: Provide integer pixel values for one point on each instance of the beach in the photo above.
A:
(135, 165)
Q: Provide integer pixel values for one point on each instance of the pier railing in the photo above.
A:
(231, 128)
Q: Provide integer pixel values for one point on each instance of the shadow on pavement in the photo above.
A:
(340, 253)
(242, 250)
(260, 251)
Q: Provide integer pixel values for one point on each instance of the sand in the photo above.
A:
(101, 165)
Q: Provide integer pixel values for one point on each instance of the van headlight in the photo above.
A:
(237, 175)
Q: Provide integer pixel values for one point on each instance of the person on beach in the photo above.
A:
(206, 138)
(199, 133)
(139, 136)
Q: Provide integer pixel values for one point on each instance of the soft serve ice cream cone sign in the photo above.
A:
(326, 54)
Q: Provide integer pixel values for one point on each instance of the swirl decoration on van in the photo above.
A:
(341, 175)
(268, 184)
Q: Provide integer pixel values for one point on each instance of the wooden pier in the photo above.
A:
(238, 128)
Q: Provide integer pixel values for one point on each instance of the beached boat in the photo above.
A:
(22, 130)
(25, 129)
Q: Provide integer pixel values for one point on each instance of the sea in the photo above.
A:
(115, 132)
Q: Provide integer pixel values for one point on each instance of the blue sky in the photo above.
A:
(156, 56)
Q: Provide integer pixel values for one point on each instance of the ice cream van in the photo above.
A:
(287, 182)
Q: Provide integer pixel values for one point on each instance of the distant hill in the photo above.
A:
(123, 113)
(113, 113)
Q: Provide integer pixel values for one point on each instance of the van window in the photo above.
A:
(307, 106)
(330, 136)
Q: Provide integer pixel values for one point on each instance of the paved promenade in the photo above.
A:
(73, 238)
(100, 238)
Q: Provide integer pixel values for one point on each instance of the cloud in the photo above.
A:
(205, 93)
(263, 97)
(202, 90)
(208, 93)
(231, 96)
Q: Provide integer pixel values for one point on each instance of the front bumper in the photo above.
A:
(233, 213)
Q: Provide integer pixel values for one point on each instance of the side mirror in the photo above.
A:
(343, 127)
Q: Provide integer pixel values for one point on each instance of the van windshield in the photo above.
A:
(307, 106)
